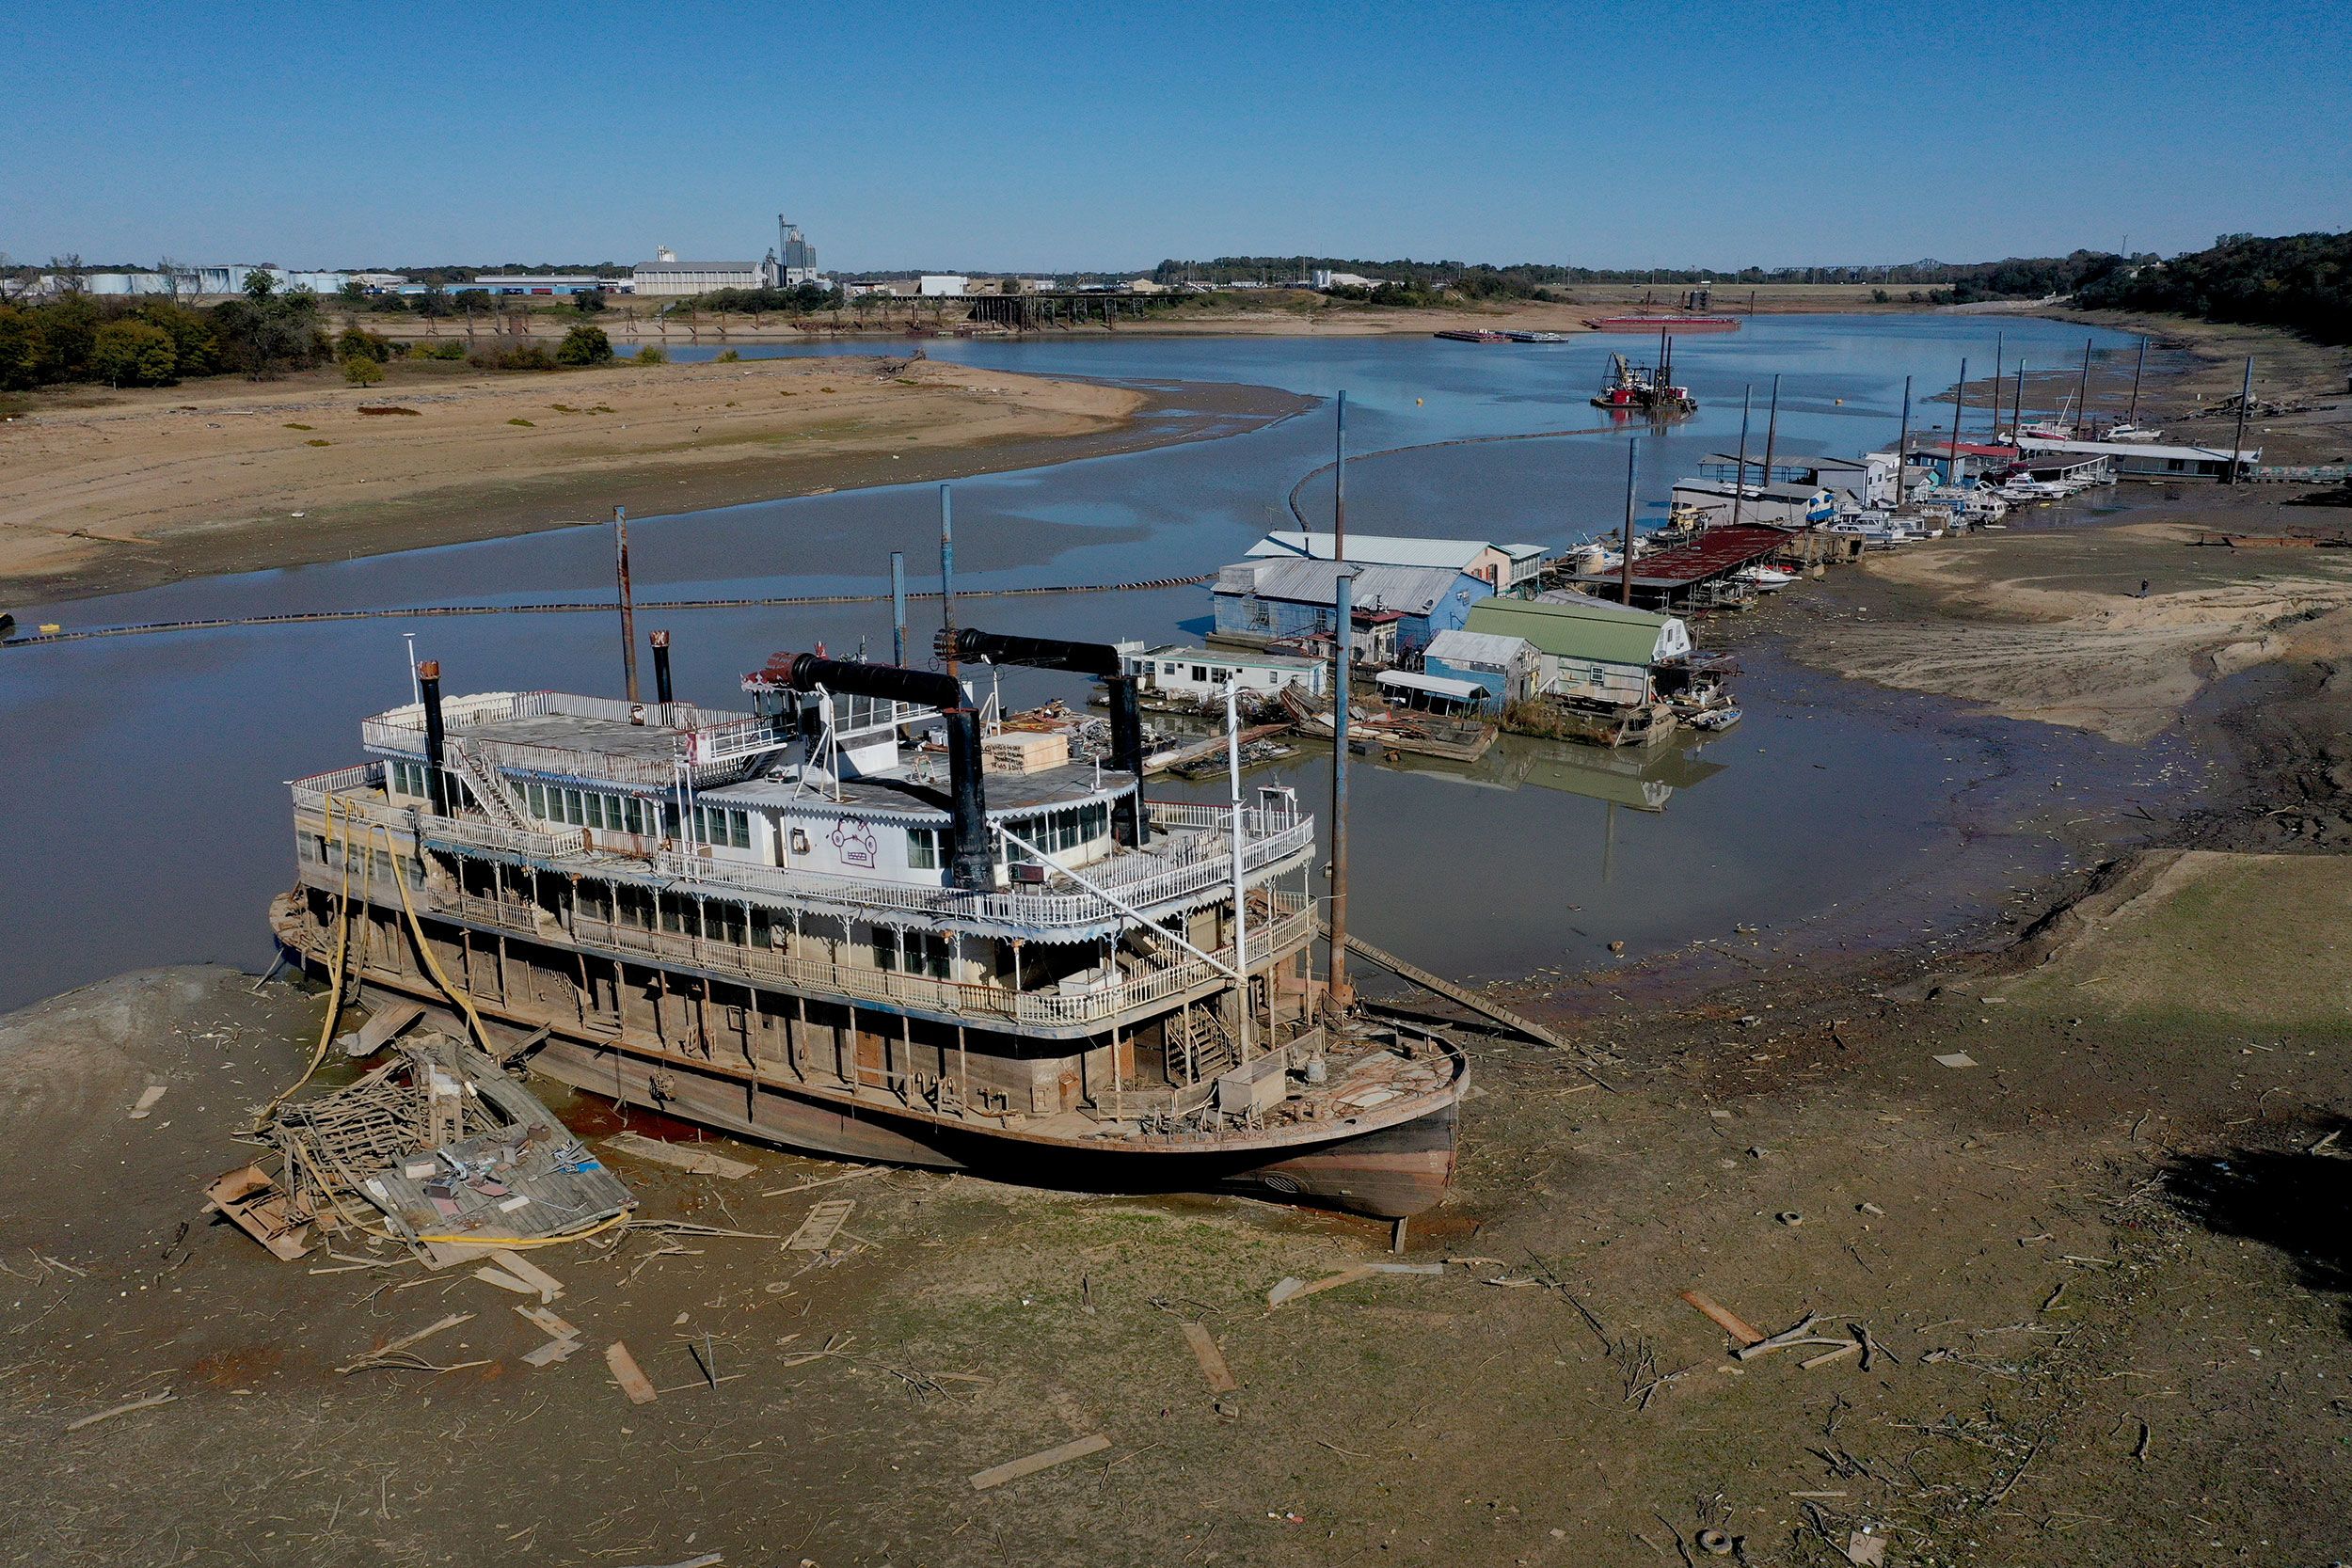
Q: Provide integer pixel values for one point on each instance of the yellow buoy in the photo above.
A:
(1416, 403)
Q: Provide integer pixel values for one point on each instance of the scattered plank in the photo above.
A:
(551, 1352)
(146, 1107)
(1957, 1059)
(548, 1323)
(825, 1182)
(703, 1561)
(631, 1377)
(1295, 1290)
(1212, 1360)
(490, 1276)
(689, 1157)
(1014, 1470)
(824, 1221)
(529, 1274)
(1823, 1359)
(1724, 1317)
(145, 1401)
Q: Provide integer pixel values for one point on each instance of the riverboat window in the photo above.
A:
(636, 905)
(764, 932)
(596, 900)
(677, 915)
(725, 923)
(723, 827)
(926, 952)
(923, 847)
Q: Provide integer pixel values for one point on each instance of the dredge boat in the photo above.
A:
(802, 925)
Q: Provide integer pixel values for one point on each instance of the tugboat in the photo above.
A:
(812, 924)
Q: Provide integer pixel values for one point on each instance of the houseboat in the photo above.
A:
(847, 921)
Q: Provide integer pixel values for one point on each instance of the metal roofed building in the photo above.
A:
(1785, 505)
(2137, 461)
(1503, 666)
(1665, 579)
(667, 275)
(1505, 568)
(1179, 670)
(1586, 648)
(1259, 600)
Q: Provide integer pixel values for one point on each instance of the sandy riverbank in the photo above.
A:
(145, 487)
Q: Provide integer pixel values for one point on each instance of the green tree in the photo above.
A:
(353, 293)
(589, 302)
(131, 353)
(650, 354)
(357, 343)
(260, 284)
(192, 340)
(24, 350)
(362, 371)
(584, 345)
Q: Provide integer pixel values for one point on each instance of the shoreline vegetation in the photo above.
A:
(137, 488)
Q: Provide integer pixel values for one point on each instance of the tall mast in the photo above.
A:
(1625, 567)
(1902, 446)
(1959, 404)
(1340, 995)
(2237, 442)
(1998, 338)
(2082, 393)
(1339, 482)
(1740, 484)
(2133, 416)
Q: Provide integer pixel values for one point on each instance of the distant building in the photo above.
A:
(667, 275)
(540, 284)
(1503, 667)
(1779, 505)
(1261, 600)
(229, 278)
(943, 285)
(1324, 278)
(2132, 460)
(795, 259)
(1504, 569)
(1178, 671)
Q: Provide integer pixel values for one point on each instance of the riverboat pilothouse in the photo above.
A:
(849, 921)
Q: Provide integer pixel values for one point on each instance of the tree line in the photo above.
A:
(154, 342)
(2302, 282)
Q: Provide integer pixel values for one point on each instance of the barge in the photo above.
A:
(1662, 322)
(827, 923)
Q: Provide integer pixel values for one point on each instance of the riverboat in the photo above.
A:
(845, 921)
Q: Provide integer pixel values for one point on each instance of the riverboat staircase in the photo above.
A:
(483, 784)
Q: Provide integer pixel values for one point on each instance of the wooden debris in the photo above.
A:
(1788, 1338)
(504, 1281)
(1014, 1470)
(1212, 1360)
(1871, 1349)
(145, 1401)
(529, 1274)
(146, 1107)
(703, 1561)
(1865, 1550)
(691, 1157)
(825, 1181)
(383, 1025)
(258, 1206)
(1957, 1059)
(1851, 1348)
(551, 1352)
(631, 1377)
(1723, 1318)
(405, 1341)
(823, 1223)
(548, 1323)
(1294, 1290)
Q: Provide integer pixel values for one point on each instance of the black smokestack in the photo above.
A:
(972, 865)
(661, 667)
(436, 741)
(1099, 659)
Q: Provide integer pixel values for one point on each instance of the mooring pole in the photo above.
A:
(1740, 484)
(1772, 431)
(898, 607)
(1339, 997)
(1999, 341)
(2237, 442)
(1959, 403)
(1902, 446)
(1339, 482)
(2082, 393)
(2133, 415)
(948, 573)
(2017, 405)
(1625, 567)
(629, 602)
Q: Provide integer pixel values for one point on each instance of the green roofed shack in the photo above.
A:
(1585, 648)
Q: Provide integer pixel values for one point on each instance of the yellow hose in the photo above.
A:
(424, 948)
(342, 947)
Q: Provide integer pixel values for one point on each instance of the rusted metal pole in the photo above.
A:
(898, 607)
(661, 667)
(1625, 567)
(628, 600)
(1339, 994)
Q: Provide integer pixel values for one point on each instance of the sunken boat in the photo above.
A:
(850, 921)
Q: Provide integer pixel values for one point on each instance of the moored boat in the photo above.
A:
(1662, 322)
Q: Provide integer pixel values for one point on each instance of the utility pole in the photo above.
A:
(1625, 567)
(628, 600)
(1339, 994)
(2245, 401)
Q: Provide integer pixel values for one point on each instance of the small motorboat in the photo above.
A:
(1713, 719)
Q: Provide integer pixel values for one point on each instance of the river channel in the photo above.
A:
(147, 824)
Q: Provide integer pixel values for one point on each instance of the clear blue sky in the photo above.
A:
(1000, 134)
